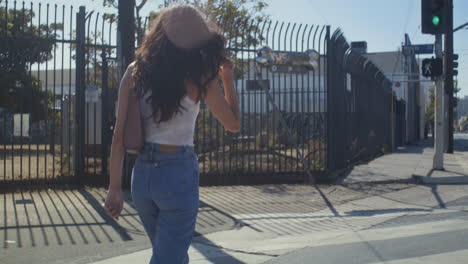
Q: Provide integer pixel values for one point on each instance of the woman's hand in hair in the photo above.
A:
(225, 107)
(226, 71)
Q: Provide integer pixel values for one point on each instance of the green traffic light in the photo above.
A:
(435, 20)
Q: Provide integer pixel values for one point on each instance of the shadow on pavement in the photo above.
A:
(57, 217)
(213, 252)
(385, 211)
(437, 196)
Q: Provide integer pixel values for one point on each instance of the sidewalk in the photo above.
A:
(72, 225)
(368, 226)
(248, 224)
(331, 229)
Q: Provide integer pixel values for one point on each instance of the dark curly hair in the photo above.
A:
(163, 68)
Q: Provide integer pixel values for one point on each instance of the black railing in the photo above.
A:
(60, 78)
(359, 110)
(51, 108)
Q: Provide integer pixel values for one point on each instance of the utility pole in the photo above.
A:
(438, 162)
(434, 21)
(448, 83)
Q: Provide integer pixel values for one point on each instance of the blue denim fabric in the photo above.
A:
(165, 194)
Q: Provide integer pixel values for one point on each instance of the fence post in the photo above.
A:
(105, 135)
(80, 93)
(330, 103)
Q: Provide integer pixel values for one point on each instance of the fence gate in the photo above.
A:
(96, 95)
(56, 71)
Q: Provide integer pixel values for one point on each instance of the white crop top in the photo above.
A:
(177, 131)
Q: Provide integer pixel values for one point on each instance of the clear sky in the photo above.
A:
(382, 23)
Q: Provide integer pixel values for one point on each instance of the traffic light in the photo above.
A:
(433, 16)
(455, 64)
(432, 67)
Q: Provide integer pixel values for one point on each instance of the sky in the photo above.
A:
(382, 23)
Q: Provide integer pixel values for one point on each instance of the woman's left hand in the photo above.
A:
(114, 203)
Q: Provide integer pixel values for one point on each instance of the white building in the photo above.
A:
(291, 92)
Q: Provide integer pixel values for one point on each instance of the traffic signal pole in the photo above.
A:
(448, 83)
(438, 161)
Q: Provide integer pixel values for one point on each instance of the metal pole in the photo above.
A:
(105, 135)
(79, 116)
(126, 29)
(407, 96)
(449, 73)
(126, 47)
(438, 161)
(392, 120)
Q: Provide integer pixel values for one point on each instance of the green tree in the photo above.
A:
(430, 116)
(139, 20)
(240, 21)
(238, 18)
(240, 12)
(464, 124)
(22, 46)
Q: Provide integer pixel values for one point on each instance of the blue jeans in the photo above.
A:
(165, 194)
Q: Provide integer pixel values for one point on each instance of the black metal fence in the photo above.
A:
(264, 151)
(59, 78)
(359, 110)
(55, 105)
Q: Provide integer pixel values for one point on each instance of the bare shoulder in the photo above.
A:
(129, 71)
(127, 78)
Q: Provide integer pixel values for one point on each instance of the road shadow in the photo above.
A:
(365, 213)
(213, 252)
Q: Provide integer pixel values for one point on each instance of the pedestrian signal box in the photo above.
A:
(432, 67)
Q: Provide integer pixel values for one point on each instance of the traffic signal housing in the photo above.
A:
(432, 68)
(433, 16)
(455, 64)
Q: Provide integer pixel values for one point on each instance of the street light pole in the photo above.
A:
(438, 161)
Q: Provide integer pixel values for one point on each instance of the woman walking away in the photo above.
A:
(175, 68)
